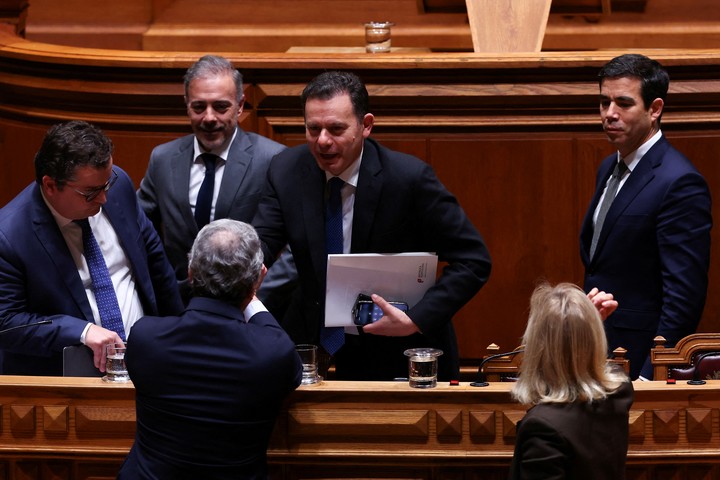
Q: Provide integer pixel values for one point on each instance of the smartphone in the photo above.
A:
(365, 311)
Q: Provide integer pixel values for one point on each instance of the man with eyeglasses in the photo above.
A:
(74, 245)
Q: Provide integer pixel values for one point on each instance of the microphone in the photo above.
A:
(481, 380)
(41, 322)
(696, 380)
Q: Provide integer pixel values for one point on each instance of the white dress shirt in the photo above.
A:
(197, 174)
(117, 262)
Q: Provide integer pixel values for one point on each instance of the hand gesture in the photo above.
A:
(394, 322)
(603, 301)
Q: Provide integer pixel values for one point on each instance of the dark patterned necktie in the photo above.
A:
(105, 297)
(332, 338)
(610, 192)
(203, 205)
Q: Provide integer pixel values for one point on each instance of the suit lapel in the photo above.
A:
(312, 189)
(367, 197)
(236, 168)
(127, 230)
(180, 180)
(51, 239)
(640, 177)
(587, 227)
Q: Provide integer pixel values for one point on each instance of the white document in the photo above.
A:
(402, 277)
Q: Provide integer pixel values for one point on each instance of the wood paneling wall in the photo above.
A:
(83, 428)
(517, 138)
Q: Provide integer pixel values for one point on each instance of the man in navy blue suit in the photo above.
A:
(44, 275)
(651, 246)
(209, 384)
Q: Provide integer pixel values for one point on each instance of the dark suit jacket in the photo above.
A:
(400, 206)
(208, 389)
(163, 192)
(583, 441)
(653, 253)
(39, 279)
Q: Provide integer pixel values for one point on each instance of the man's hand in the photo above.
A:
(394, 322)
(603, 301)
(96, 338)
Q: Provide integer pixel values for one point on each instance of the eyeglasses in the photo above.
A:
(93, 193)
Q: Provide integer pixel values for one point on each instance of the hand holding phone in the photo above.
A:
(365, 311)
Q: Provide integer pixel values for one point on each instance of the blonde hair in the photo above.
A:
(565, 356)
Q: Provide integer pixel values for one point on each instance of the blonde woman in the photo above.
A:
(577, 426)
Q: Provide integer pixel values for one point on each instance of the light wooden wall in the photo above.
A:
(275, 26)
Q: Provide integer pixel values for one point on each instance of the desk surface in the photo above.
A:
(56, 384)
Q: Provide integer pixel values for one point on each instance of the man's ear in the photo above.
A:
(368, 122)
(656, 108)
(260, 279)
(49, 186)
(263, 272)
(241, 106)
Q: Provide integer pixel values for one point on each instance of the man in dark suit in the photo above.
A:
(172, 187)
(209, 383)
(652, 251)
(391, 202)
(44, 271)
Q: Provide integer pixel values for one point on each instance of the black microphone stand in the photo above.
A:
(481, 380)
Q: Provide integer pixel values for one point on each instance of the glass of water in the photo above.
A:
(308, 355)
(377, 37)
(422, 366)
(115, 369)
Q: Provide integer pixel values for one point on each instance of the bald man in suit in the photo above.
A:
(210, 382)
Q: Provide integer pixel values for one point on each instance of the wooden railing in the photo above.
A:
(506, 365)
(682, 353)
(82, 429)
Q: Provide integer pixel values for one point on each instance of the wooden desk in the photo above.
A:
(82, 428)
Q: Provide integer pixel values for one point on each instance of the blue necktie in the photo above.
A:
(105, 297)
(203, 204)
(332, 338)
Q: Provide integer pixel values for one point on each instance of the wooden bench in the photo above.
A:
(695, 356)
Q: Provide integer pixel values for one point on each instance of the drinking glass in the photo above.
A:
(308, 355)
(115, 369)
(377, 37)
(422, 366)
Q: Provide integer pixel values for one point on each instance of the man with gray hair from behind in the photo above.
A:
(209, 383)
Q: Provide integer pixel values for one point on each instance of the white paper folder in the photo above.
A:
(403, 277)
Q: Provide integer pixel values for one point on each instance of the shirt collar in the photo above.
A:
(197, 151)
(633, 158)
(351, 174)
(61, 221)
